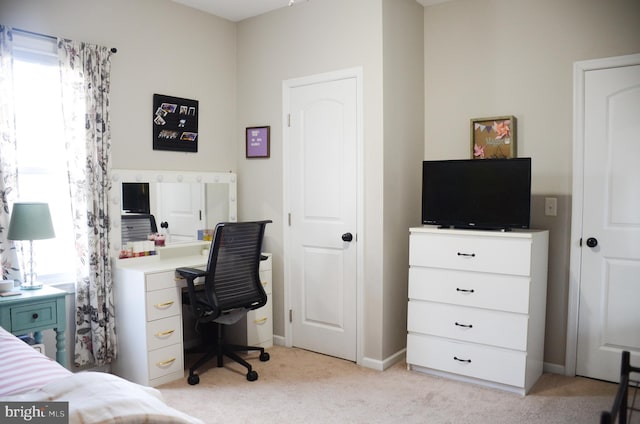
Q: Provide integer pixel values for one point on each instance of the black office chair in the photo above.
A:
(231, 289)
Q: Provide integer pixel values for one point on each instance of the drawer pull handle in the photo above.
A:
(35, 316)
(469, 255)
(164, 333)
(465, 290)
(468, 361)
(265, 283)
(261, 320)
(165, 363)
(164, 305)
(464, 325)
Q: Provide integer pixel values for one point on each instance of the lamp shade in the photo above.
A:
(30, 221)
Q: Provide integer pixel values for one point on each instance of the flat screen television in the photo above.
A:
(135, 198)
(493, 194)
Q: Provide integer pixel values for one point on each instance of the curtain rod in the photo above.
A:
(37, 34)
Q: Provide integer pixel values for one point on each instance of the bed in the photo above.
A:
(626, 405)
(93, 397)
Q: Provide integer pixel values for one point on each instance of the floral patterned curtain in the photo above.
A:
(85, 72)
(8, 164)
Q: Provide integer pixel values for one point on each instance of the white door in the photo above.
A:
(609, 298)
(181, 205)
(322, 170)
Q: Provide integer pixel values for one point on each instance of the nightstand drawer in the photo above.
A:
(31, 317)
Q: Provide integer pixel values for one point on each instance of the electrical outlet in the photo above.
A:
(550, 206)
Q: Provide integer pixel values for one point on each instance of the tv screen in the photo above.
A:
(477, 193)
(135, 198)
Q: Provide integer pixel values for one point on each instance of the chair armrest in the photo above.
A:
(191, 273)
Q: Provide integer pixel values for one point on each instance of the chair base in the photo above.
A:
(219, 351)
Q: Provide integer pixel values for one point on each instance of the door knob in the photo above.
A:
(347, 237)
(592, 242)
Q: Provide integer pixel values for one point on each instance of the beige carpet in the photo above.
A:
(297, 386)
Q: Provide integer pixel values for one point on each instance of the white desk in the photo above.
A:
(149, 319)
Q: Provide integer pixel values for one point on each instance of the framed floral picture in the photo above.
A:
(493, 138)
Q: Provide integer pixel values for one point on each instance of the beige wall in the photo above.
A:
(499, 57)
(163, 48)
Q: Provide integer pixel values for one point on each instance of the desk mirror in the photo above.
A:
(186, 201)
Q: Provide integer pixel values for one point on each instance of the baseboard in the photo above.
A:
(279, 340)
(553, 368)
(381, 365)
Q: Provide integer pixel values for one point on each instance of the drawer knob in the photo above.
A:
(465, 290)
(464, 325)
(470, 255)
(35, 316)
(468, 361)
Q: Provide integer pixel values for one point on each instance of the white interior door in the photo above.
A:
(609, 295)
(322, 181)
(181, 206)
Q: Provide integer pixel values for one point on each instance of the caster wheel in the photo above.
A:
(193, 379)
(252, 376)
(264, 356)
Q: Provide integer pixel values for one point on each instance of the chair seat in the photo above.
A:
(231, 317)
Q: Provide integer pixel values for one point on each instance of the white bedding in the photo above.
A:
(94, 397)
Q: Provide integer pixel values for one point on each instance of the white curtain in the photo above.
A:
(85, 72)
(8, 156)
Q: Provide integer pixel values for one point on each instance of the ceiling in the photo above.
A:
(237, 10)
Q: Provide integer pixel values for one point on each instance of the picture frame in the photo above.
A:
(494, 138)
(175, 124)
(257, 141)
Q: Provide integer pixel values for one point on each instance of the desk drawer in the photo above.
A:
(164, 332)
(30, 317)
(160, 280)
(165, 361)
(163, 303)
(260, 325)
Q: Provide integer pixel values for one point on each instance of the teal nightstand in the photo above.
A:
(34, 311)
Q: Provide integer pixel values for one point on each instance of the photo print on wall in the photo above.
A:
(175, 124)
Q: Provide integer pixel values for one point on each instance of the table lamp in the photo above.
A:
(30, 221)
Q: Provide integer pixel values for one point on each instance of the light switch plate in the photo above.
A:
(551, 206)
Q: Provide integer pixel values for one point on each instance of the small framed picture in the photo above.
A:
(493, 138)
(258, 142)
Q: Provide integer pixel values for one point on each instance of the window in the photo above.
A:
(42, 162)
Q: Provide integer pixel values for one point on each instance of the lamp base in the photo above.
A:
(31, 286)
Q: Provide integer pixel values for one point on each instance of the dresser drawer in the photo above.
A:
(165, 361)
(163, 303)
(483, 362)
(29, 317)
(492, 291)
(164, 332)
(502, 329)
(160, 280)
(503, 255)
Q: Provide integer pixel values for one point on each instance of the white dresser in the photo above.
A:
(477, 303)
(149, 320)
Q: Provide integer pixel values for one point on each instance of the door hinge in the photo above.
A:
(290, 315)
(289, 120)
(580, 242)
(289, 219)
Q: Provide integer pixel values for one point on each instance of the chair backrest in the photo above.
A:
(233, 279)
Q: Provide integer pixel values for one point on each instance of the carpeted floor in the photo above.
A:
(297, 386)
